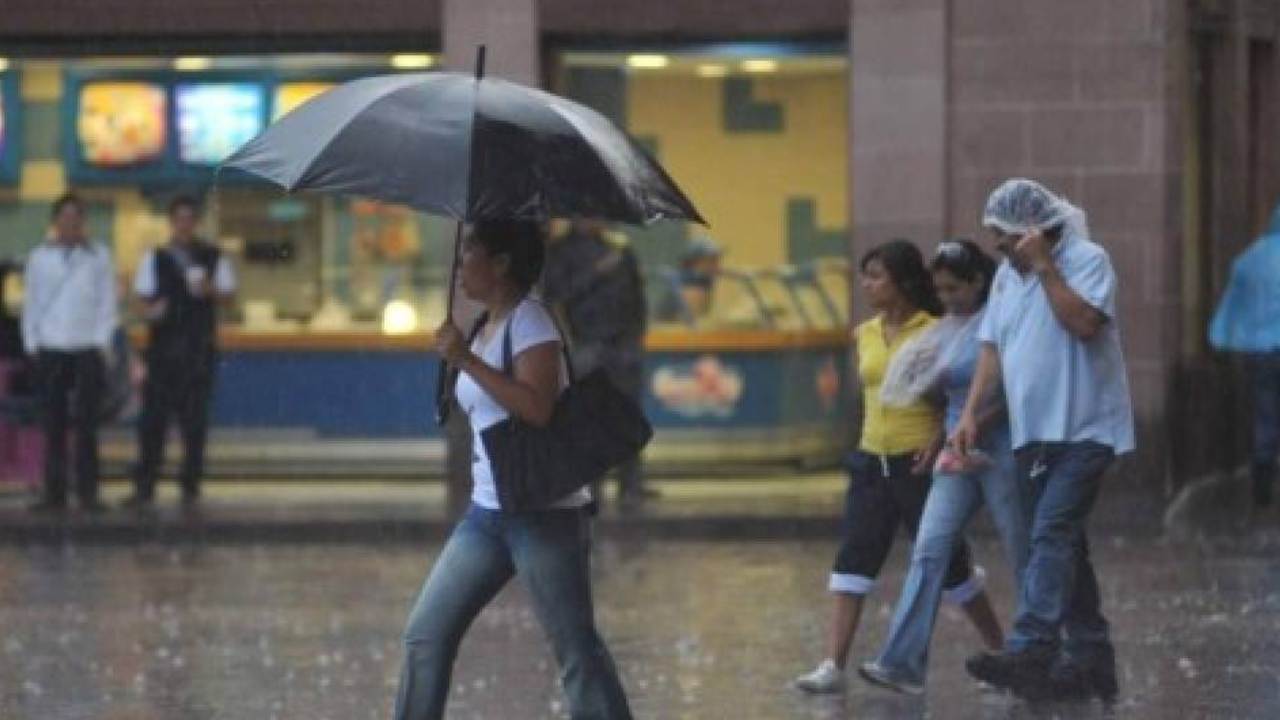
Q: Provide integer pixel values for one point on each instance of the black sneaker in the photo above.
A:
(48, 507)
(1024, 673)
(1262, 474)
(1262, 495)
(1080, 680)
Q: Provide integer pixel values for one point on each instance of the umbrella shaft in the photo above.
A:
(453, 270)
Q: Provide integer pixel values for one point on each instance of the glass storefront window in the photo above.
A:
(304, 261)
(758, 141)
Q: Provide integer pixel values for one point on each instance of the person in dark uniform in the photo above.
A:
(68, 320)
(593, 281)
(180, 287)
(688, 298)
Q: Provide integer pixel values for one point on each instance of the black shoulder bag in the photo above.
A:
(594, 428)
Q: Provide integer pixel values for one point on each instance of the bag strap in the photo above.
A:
(508, 362)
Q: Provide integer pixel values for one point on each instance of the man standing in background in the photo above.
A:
(1247, 321)
(68, 320)
(180, 287)
(593, 281)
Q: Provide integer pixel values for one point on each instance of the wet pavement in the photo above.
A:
(793, 506)
(363, 511)
(701, 630)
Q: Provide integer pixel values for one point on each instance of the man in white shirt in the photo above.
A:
(180, 287)
(68, 321)
(1051, 333)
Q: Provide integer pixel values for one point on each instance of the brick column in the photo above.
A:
(508, 29)
(898, 121)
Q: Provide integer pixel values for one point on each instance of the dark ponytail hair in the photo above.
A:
(521, 241)
(965, 260)
(905, 265)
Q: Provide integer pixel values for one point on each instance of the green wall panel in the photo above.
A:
(805, 240)
(744, 114)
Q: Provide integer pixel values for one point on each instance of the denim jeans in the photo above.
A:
(549, 552)
(953, 501)
(1059, 593)
(1265, 386)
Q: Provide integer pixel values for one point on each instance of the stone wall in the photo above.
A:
(1083, 96)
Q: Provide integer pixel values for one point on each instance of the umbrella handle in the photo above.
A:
(444, 375)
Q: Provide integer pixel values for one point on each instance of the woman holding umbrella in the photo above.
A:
(501, 156)
(548, 550)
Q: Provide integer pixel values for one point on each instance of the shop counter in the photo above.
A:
(362, 403)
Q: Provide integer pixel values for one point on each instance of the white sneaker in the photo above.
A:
(826, 679)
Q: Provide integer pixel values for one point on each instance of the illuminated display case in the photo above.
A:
(215, 119)
(290, 95)
(159, 126)
(122, 124)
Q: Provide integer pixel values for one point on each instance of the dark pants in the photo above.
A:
(178, 386)
(1265, 374)
(71, 385)
(624, 361)
(1059, 593)
(883, 496)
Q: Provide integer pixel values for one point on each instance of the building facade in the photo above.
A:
(1159, 117)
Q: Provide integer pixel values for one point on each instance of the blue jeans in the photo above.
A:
(1265, 386)
(953, 501)
(1059, 592)
(549, 551)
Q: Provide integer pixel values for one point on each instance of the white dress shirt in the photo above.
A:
(70, 298)
(146, 284)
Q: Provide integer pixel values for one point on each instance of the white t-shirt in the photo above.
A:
(531, 325)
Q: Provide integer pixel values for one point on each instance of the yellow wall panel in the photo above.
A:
(42, 180)
(742, 181)
(41, 82)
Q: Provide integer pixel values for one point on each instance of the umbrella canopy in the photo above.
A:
(465, 148)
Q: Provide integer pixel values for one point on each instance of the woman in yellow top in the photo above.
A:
(890, 473)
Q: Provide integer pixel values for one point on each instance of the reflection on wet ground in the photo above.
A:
(702, 630)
